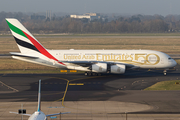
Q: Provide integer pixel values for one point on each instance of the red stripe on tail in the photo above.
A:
(41, 48)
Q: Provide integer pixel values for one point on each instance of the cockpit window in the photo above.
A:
(169, 58)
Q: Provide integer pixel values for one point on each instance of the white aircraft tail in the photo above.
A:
(26, 42)
(39, 103)
(40, 113)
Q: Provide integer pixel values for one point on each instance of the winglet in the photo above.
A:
(39, 97)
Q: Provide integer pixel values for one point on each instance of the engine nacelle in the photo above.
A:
(99, 67)
(118, 69)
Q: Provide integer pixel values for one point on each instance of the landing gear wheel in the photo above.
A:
(94, 74)
(99, 74)
(85, 73)
(89, 73)
(165, 73)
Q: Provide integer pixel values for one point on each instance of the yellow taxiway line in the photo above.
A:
(68, 83)
(76, 83)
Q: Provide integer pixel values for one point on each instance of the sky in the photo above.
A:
(145, 7)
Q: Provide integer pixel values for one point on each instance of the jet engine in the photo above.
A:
(118, 69)
(99, 68)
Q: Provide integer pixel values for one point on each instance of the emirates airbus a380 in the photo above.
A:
(93, 62)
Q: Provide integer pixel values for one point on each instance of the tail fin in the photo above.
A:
(39, 97)
(25, 40)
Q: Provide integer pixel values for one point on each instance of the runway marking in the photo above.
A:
(9, 87)
(76, 83)
(62, 99)
(51, 83)
(86, 78)
(68, 83)
(137, 81)
(41, 94)
(4, 74)
(65, 93)
(53, 93)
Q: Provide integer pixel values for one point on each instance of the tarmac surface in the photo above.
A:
(92, 97)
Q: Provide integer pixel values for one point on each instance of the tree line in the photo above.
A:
(118, 24)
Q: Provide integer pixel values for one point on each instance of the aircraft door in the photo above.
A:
(60, 56)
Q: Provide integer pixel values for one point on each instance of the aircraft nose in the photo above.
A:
(174, 63)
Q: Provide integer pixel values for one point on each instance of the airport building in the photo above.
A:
(90, 16)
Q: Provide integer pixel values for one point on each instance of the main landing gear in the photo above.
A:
(92, 74)
(165, 72)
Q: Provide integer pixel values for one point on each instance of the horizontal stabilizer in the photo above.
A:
(20, 114)
(22, 55)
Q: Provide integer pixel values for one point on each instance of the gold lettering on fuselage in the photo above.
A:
(88, 57)
(143, 59)
(72, 57)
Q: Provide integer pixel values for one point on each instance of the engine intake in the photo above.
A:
(99, 68)
(118, 69)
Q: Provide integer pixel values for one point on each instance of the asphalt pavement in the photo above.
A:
(68, 89)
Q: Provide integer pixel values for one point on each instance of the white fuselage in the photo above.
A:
(140, 58)
(37, 116)
(147, 59)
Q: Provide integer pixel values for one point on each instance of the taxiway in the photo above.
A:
(108, 96)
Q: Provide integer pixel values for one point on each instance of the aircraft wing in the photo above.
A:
(20, 114)
(89, 63)
(57, 113)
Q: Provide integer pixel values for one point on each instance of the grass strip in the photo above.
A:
(165, 44)
(36, 72)
(10, 65)
(165, 85)
(102, 34)
(178, 61)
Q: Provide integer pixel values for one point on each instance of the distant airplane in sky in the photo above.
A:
(93, 62)
(39, 115)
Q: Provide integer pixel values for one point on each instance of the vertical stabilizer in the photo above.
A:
(39, 97)
(26, 42)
